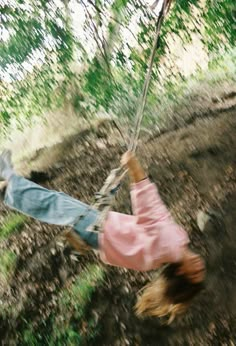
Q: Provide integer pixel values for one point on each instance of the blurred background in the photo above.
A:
(71, 76)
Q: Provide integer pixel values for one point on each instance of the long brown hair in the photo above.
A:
(167, 295)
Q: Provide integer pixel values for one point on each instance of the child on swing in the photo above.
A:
(144, 241)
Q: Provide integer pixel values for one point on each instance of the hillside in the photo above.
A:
(193, 164)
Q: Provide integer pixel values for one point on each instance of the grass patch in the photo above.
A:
(7, 265)
(12, 223)
(72, 324)
(72, 327)
(80, 292)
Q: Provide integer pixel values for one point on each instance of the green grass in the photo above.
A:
(70, 325)
(73, 304)
(7, 264)
(79, 294)
(12, 223)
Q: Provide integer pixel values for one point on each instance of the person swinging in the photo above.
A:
(144, 241)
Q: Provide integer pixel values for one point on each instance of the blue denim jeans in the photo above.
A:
(51, 207)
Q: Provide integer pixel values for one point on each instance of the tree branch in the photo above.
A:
(115, 20)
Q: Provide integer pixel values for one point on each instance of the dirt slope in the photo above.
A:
(195, 168)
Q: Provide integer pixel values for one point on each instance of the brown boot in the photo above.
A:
(76, 242)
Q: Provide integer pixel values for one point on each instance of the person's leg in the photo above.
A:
(46, 205)
(51, 207)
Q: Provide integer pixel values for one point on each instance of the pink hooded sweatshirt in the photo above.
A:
(145, 240)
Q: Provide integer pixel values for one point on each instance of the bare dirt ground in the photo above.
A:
(194, 167)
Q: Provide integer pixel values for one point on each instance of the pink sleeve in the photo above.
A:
(169, 238)
(147, 204)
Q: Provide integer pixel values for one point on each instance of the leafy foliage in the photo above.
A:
(47, 61)
(33, 58)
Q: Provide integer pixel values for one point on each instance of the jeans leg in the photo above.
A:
(91, 238)
(51, 207)
(44, 205)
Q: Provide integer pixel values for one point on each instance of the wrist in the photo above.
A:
(133, 163)
(137, 175)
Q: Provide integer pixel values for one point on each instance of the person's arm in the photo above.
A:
(147, 204)
(150, 209)
(135, 170)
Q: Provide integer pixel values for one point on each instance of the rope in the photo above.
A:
(143, 100)
(106, 195)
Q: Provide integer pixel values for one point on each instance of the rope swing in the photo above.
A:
(107, 193)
